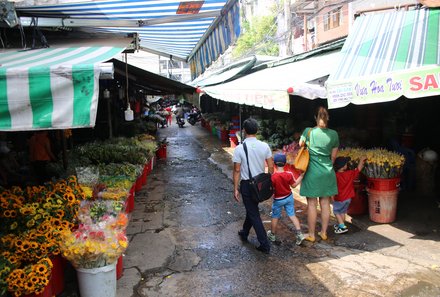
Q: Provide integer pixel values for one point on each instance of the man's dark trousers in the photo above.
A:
(253, 218)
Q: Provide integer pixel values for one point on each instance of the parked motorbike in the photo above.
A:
(194, 117)
(180, 122)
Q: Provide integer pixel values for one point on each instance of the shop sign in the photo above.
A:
(411, 83)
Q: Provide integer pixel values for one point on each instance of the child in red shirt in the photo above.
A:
(342, 200)
(283, 198)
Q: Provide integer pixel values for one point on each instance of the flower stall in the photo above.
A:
(382, 171)
(82, 218)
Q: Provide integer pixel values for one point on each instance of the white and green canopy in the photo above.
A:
(386, 56)
(51, 88)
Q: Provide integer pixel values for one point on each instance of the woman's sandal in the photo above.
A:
(323, 236)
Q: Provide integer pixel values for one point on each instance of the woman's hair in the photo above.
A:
(250, 126)
(322, 114)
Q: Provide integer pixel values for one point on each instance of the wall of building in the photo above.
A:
(332, 21)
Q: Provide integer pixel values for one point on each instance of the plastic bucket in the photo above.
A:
(97, 282)
(57, 278)
(138, 184)
(383, 184)
(119, 268)
(161, 153)
(382, 205)
(359, 203)
(233, 141)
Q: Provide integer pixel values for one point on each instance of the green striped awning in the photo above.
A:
(52, 88)
(386, 56)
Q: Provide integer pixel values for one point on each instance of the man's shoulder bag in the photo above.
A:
(302, 158)
(261, 184)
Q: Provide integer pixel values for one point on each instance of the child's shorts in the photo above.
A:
(341, 207)
(286, 203)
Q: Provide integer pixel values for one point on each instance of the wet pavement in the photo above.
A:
(184, 242)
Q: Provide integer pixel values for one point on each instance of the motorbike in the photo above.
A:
(194, 117)
(180, 122)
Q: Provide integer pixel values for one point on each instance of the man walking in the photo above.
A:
(258, 153)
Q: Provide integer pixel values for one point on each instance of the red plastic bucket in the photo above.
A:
(129, 203)
(382, 205)
(383, 184)
(138, 184)
(161, 153)
(119, 268)
(233, 141)
(359, 203)
(57, 278)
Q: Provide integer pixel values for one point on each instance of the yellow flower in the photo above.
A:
(14, 226)
(30, 223)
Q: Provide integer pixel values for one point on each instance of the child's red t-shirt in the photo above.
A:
(345, 184)
(281, 183)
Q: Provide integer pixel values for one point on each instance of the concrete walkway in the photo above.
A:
(182, 244)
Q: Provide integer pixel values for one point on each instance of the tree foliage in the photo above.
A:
(258, 37)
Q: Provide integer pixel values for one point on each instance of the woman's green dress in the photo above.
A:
(320, 179)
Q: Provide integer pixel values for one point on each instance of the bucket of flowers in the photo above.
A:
(94, 248)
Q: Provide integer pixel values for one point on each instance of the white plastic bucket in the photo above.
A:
(97, 282)
(129, 114)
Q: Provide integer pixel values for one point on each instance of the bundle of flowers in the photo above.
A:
(114, 173)
(92, 212)
(32, 278)
(5, 268)
(380, 162)
(117, 150)
(354, 154)
(59, 200)
(96, 245)
(32, 221)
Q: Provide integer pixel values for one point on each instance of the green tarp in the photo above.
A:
(386, 56)
(51, 88)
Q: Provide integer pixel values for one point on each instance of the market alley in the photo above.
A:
(184, 242)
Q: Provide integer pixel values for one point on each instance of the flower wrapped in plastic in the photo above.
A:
(93, 211)
(380, 162)
(96, 245)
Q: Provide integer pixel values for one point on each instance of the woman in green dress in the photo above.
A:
(319, 181)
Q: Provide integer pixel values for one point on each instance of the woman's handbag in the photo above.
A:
(302, 158)
(261, 184)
